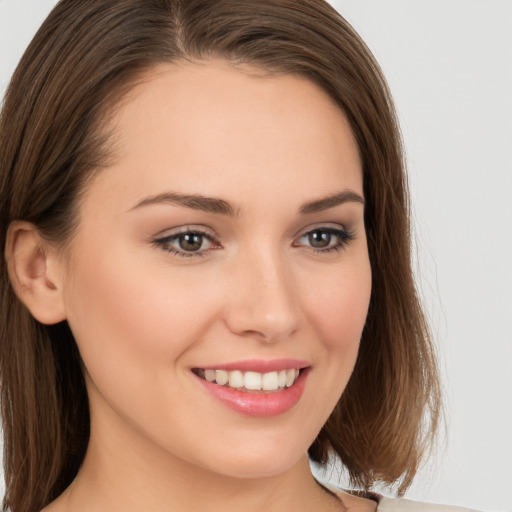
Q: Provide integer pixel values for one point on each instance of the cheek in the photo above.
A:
(339, 306)
(127, 315)
(336, 308)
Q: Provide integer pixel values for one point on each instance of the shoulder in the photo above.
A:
(372, 502)
(403, 505)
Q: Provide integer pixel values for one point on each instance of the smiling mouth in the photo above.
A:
(251, 382)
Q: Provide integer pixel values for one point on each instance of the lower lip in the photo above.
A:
(258, 404)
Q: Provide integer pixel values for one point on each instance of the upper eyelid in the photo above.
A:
(210, 233)
(174, 232)
(345, 234)
(325, 225)
(329, 229)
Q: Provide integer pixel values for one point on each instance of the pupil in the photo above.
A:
(319, 239)
(191, 242)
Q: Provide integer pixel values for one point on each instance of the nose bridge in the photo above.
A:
(263, 302)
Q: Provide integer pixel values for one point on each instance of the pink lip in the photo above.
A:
(258, 404)
(259, 365)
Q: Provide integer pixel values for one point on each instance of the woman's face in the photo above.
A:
(226, 242)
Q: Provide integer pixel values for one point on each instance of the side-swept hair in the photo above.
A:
(83, 59)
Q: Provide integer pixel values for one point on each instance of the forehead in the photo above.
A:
(208, 125)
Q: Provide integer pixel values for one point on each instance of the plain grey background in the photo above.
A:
(449, 66)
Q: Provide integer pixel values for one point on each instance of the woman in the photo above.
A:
(207, 271)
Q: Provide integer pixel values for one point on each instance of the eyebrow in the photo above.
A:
(319, 205)
(193, 201)
(222, 207)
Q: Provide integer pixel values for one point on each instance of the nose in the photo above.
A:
(262, 301)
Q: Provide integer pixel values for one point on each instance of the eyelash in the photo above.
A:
(344, 238)
(165, 243)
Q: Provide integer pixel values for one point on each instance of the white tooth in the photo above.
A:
(252, 380)
(297, 373)
(281, 378)
(270, 381)
(209, 375)
(221, 377)
(236, 379)
(290, 377)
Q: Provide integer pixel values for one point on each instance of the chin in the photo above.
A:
(255, 461)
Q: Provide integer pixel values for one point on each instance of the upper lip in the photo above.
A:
(259, 365)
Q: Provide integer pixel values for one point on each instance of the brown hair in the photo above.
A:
(79, 64)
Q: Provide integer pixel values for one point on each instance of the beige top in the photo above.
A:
(385, 504)
(403, 505)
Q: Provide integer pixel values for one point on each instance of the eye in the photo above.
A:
(187, 243)
(325, 239)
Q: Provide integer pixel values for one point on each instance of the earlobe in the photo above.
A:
(33, 269)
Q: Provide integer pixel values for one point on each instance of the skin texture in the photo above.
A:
(143, 317)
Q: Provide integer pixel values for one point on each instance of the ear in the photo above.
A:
(34, 272)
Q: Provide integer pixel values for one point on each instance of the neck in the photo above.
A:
(133, 476)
